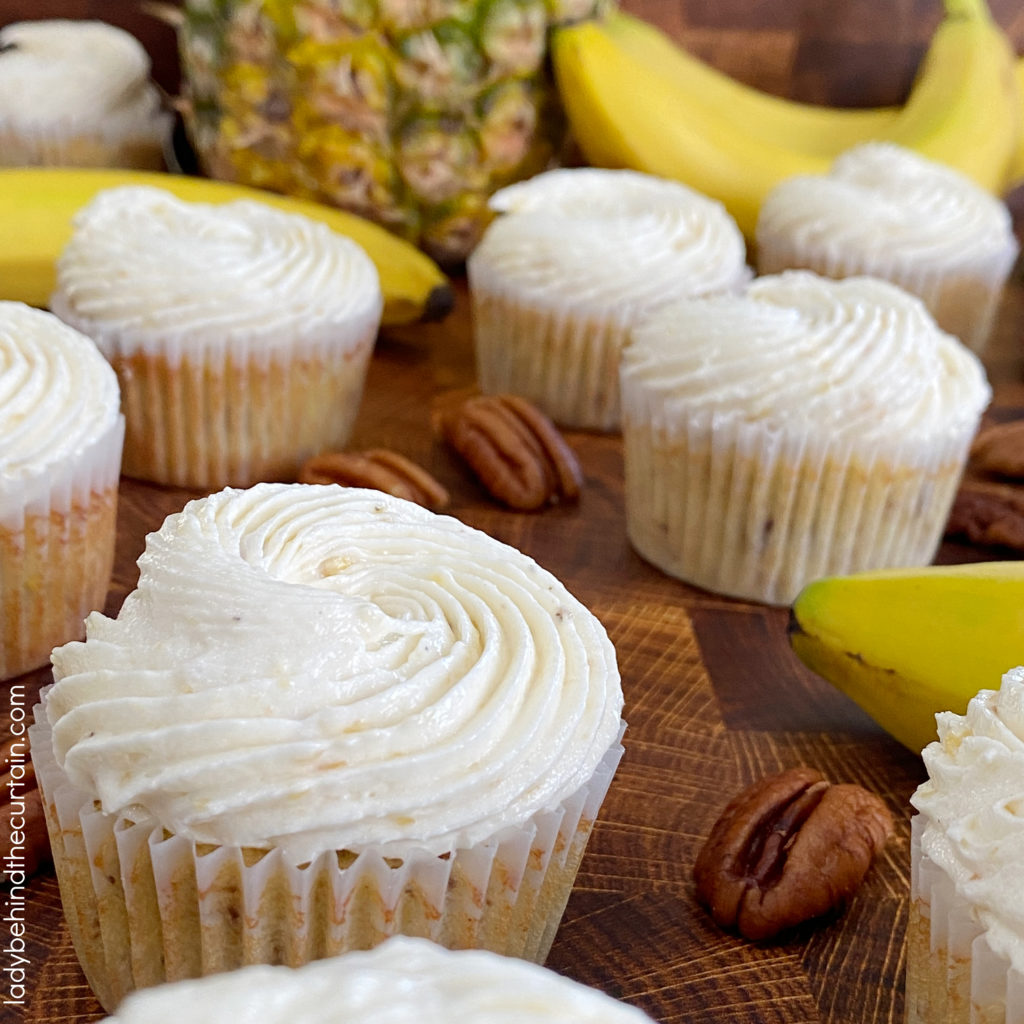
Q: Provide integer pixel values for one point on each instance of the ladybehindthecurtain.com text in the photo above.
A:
(13, 869)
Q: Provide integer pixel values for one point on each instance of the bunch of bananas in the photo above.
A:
(635, 99)
(40, 203)
(905, 644)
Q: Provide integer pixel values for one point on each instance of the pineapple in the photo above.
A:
(408, 112)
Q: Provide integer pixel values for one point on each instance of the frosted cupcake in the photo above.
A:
(965, 936)
(325, 716)
(808, 428)
(60, 460)
(78, 93)
(575, 257)
(241, 334)
(889, 212)
(401, 980)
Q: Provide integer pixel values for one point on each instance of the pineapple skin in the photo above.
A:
(407, 112)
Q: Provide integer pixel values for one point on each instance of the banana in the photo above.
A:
(37, 206)
(628, 108)
(1016, 173)
(904, 644)
(806, 127)
(964, 106)
(624, 113)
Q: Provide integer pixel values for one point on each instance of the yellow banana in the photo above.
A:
(964, 106)
(907, 643)
(627, 110)
(806, 127)
(625, 114)
(37, 206)
(1016, 176)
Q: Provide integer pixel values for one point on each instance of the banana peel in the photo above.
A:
(816, 129)
(632, 102)
(1015, 177)
(37, 206)
(626, 114)
(905, 644)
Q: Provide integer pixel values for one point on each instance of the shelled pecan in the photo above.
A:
(380, 469)
(789, 848)
(999, 448)
(517, 453)
(24, 843)
(988, 512)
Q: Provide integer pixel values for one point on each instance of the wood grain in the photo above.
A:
(714, 695)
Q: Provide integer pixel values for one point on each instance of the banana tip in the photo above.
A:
(440, 302)
(793, 627)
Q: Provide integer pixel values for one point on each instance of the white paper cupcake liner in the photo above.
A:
(963, 300)
(564, 361)
(741, 510)
(235, 415)
(145, 907)
(137, 140)
(57, 535)
(953, 974)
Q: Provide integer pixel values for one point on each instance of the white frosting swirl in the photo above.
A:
(144, 269)
(857, 359)
(614, 241)
(401, 980)
(83, 74)
(59, 399)
(973, 802)
(879, 200)
(320, 668)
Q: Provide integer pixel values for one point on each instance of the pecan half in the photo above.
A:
(517, 453)
(788, 849)
(988, 512)
(24, 843)
(377, 468)
(999, 448)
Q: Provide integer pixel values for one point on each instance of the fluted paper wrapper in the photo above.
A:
(964, 301)
(564, 361)
(235, 415)
(144, 907)
(57, 536)
(137, 142)
(953, 974)
(739, 509)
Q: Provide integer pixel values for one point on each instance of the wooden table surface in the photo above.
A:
(714, 696)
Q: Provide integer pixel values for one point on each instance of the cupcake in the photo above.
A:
(401, 980)
(889, 212)
(575, 257)
(965, 935)
(241, 334)
(60, 460)
(808, 428)
(78, 93)
(326, 716)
